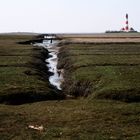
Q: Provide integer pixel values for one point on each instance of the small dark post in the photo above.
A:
(51, 40)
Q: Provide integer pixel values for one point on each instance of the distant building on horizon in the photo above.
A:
(125, 29)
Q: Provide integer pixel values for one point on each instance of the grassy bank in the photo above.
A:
(23, 74)
(71, 120)
(104, 70)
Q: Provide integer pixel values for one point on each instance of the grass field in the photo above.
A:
(102, 37)
(103, 70)
(71, 120)
(91, 70)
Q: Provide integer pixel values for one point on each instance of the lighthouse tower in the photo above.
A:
(127, 28)
(127, 24)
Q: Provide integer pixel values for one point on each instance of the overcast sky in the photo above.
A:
(65, 16)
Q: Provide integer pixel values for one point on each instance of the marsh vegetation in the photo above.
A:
(102, 70)
(24, 75)
(102, 78)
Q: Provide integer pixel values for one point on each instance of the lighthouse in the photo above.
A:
(127, 24)
(126, 28)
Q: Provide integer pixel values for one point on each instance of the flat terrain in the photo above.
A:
(102, 70)
(102, 38)
(82, 119)
(107, 74)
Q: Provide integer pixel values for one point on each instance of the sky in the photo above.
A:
(67, 16)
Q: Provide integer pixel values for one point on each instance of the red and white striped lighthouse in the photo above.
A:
(127, 28)
(127, 24)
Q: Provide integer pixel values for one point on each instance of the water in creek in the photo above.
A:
(57, 75)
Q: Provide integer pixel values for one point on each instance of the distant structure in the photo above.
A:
(127, 25)
(125, 29)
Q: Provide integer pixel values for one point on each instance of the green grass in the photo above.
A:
(103, 70)
(14, 60)
(15, 77)
(74, 119)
